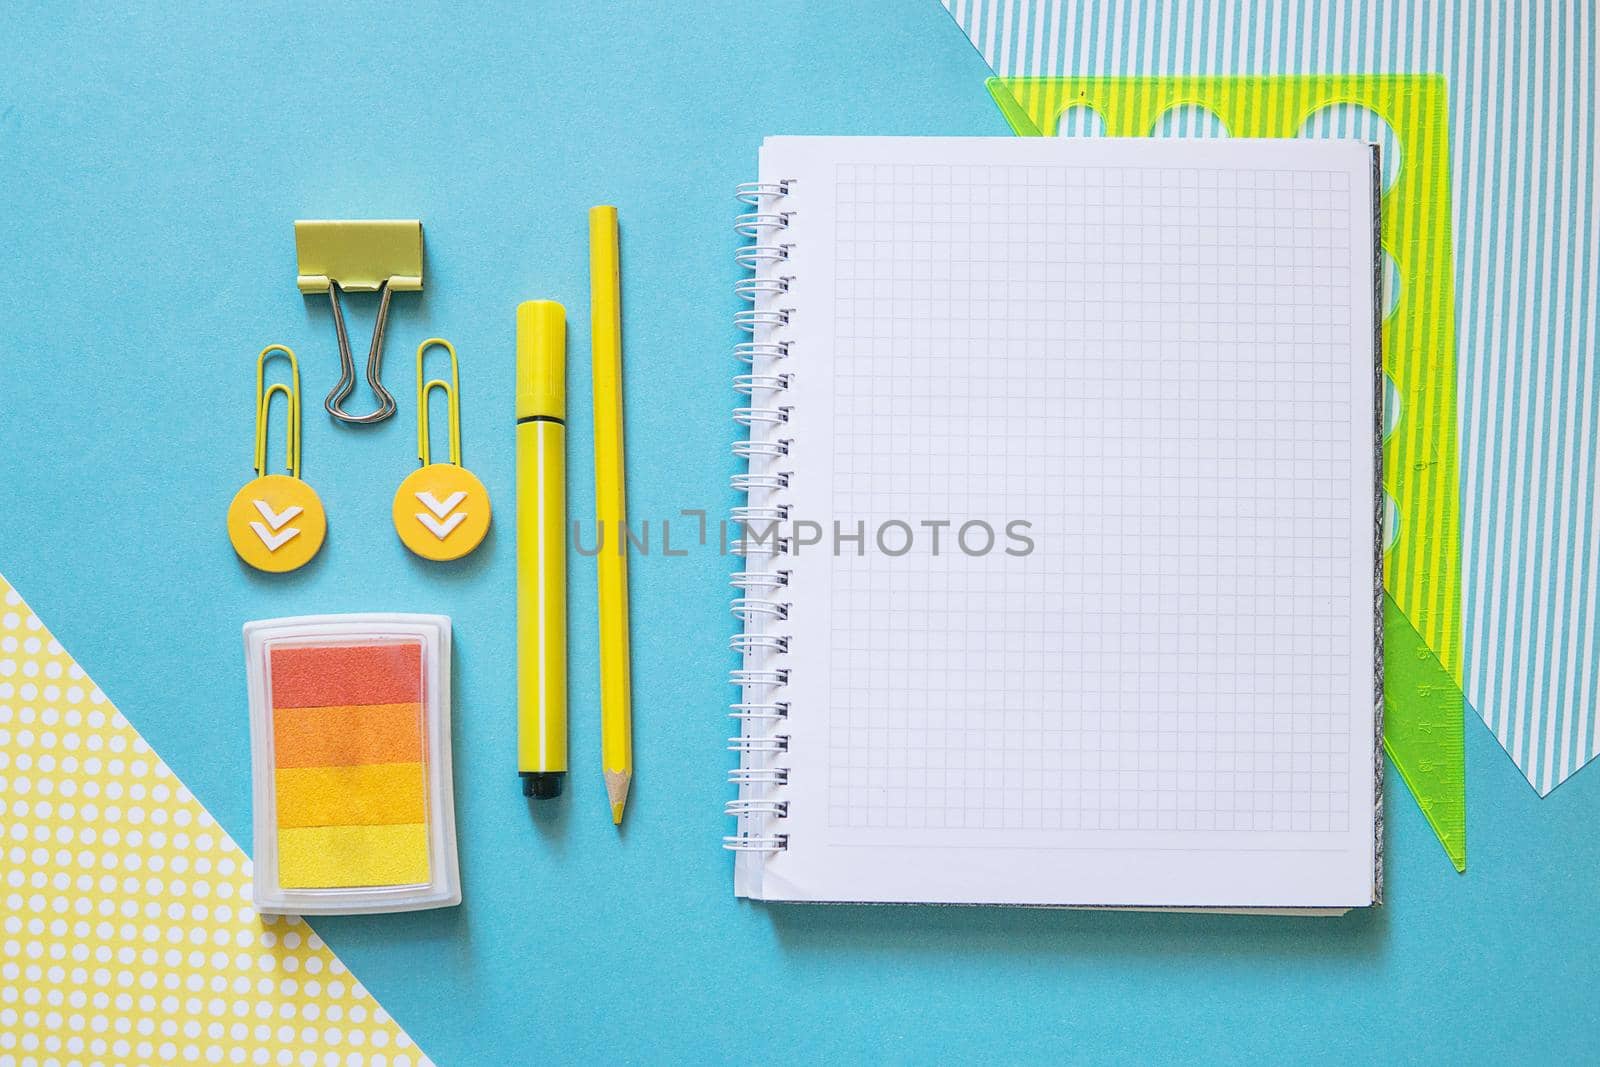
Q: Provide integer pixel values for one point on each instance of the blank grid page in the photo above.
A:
(1150, 375)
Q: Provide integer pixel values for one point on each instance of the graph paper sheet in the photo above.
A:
(1148, 367)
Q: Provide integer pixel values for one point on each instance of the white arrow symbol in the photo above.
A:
(274, 541)
(276, 519)
(441, 530)
(441, 508)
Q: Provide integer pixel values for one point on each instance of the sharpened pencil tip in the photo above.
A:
(617, 791)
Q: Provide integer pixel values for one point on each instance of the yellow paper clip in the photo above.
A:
(452, 399)
(291, 396)
(366, 256)
(276, 521)
(441, 510)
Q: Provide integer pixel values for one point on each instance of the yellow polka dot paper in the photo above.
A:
(126, 931)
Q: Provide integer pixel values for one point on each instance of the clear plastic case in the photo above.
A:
(350, 764)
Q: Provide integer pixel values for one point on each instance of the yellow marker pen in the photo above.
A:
(541, 547)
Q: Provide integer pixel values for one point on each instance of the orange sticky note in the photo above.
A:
(319, 676)
(346, 736)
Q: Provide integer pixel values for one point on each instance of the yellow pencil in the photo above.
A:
(611, 508)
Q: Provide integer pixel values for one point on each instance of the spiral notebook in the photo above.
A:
(1061, 539)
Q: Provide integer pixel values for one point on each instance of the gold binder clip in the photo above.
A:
(366, 256)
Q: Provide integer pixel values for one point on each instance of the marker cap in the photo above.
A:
(541, 359)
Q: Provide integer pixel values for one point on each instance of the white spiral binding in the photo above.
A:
(749, 644)
(761, 582)
(761, 710)
(750, 351)
(747, 483)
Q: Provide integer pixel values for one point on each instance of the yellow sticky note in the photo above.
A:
(330, 857)
(367, 794)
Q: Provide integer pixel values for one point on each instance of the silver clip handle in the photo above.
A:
(347, 363)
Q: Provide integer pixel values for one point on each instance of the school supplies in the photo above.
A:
(366, 256)
(441, 511)
(276, 522)
(541, 547)
(1061, 578)
(611, 507)
(350, 761)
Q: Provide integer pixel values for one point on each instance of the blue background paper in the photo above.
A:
(151, 165)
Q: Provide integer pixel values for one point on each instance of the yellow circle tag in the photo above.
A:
(441, 511)
(276, 523)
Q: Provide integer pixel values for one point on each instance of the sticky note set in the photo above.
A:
(350, 746)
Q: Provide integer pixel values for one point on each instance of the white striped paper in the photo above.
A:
(1523, 97)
